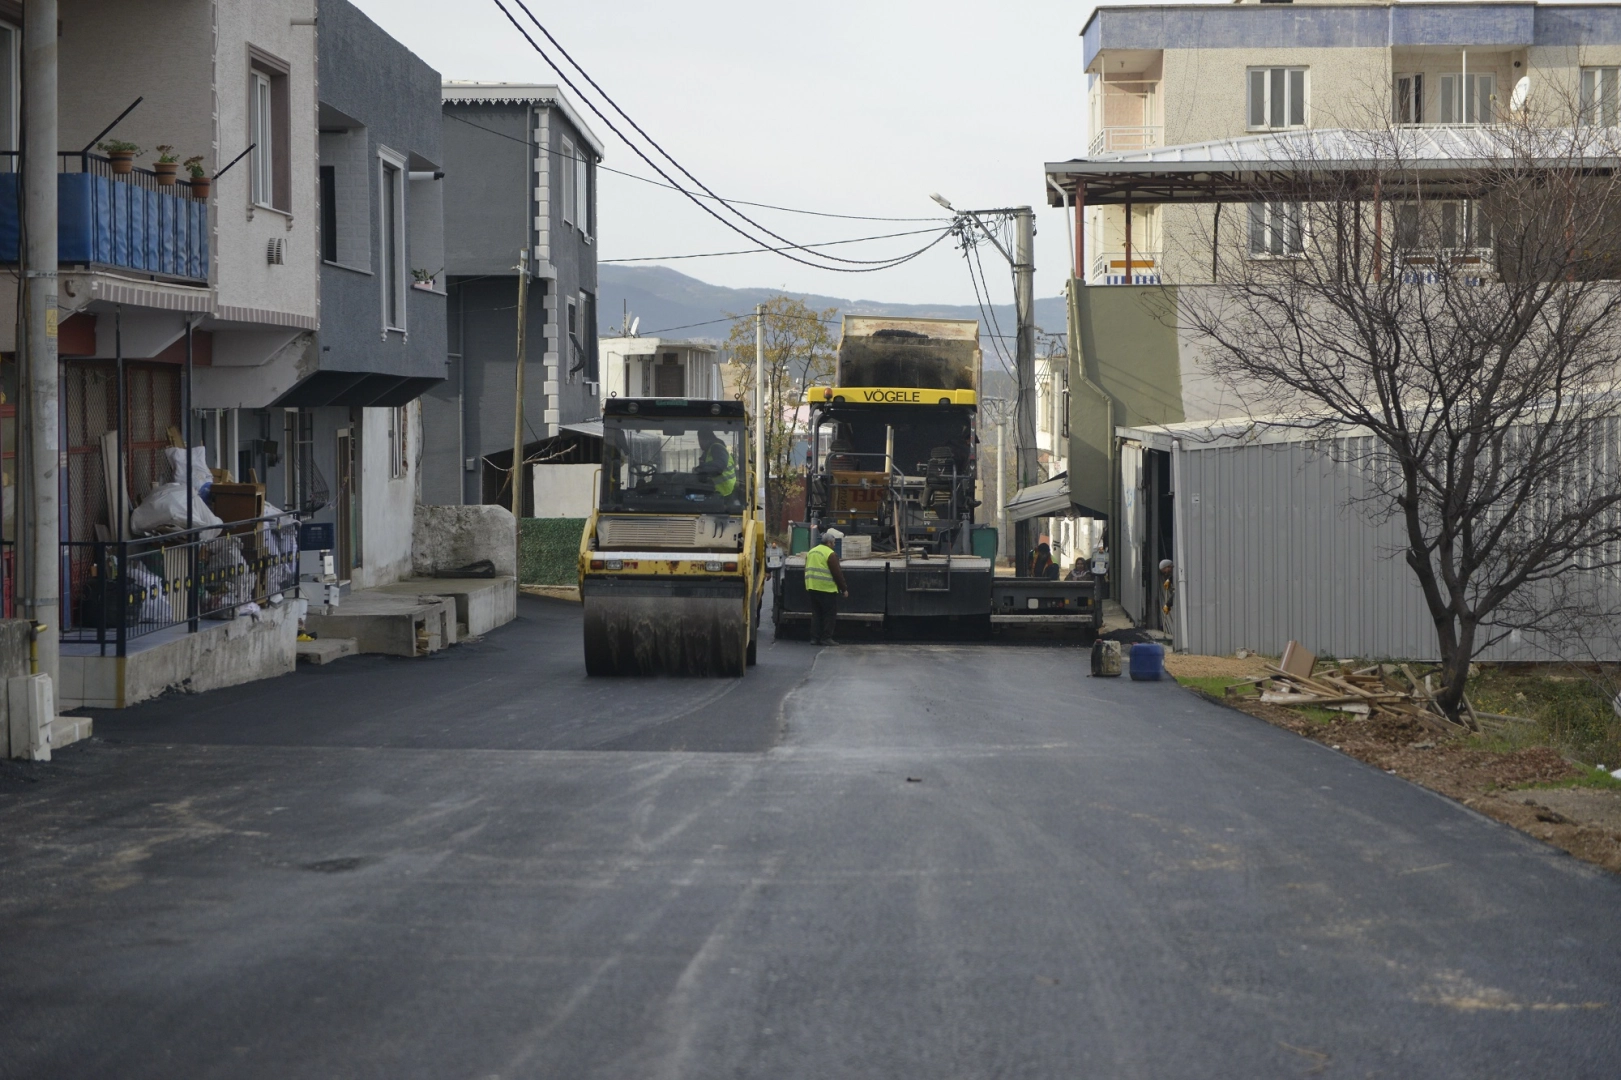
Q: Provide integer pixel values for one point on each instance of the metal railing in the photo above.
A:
(122, 590)
(1109, 268)
(131, 221)
(1119, 139)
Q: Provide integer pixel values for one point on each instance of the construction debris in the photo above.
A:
(1380, 690)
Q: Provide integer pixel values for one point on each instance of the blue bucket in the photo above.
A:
(1147, 662)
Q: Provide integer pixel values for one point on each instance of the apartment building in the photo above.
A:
(1166, 76)
(520, 181)
(260, 307)
(1196, 116)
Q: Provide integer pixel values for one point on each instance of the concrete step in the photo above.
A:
(67, 730)
(326, 650)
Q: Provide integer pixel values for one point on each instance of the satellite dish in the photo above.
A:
(634, 323)
(1522, 90)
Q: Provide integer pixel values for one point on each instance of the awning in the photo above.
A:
(355, 388)
(1050, 498)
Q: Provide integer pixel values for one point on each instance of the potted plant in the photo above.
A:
(199, 181)
(424, 280)
(167, 164)
(122, 155)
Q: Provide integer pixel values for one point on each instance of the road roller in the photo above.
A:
(672, 560)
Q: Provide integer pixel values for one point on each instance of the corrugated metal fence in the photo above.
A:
(1276, 545)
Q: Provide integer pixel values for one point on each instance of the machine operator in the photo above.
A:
(715, 464)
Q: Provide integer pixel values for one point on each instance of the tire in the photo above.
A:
(754, 637)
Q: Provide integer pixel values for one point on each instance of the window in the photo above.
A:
(399, 427)
(392, 213)
(1467, 99)
(329, 213)
(1276, 229)
(269, 177)
(1464, 226)
(263, 161)
(1277, 97)
(568, 177)
(1409, 99)
(1599, 96)
(575, 349)
(582, 190)
(10, 91)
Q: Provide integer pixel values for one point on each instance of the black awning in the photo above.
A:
(355, 388)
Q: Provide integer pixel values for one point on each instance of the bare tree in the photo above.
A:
(799, 352)
(1449, 295)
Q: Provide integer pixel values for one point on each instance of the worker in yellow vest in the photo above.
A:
(824, 584)
(715, 464)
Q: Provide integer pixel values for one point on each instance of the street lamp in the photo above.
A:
(1022, 260)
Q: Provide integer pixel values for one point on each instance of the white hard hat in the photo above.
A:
(832, 534)
(1165, 564)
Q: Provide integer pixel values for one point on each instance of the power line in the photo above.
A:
(852, 265)
(672, 187)
(756, 251)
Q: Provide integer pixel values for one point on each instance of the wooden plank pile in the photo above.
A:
(1381, 689)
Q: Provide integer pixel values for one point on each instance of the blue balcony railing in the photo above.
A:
(127, 222)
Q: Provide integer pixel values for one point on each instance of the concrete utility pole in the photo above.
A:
(759, 406)
(517, 416)
(42, 550)
(1024, 305)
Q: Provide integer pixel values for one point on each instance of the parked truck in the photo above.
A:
(894, 465)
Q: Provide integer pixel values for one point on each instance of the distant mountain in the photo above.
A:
(668, 301)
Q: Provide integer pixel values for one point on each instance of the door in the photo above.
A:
(348, 508)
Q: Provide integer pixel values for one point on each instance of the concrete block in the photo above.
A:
(480, 604)
(326, 650)
(32, 707)
(67, 730)
(445, 537)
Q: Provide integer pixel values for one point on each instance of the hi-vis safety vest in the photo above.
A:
(818, 578)
(726, 479)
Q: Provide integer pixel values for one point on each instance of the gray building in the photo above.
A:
(520, 170)
(347, 434)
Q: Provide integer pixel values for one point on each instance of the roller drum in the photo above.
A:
(665, 635)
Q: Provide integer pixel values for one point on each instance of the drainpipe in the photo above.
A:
(1069, 227)
(1179, 542)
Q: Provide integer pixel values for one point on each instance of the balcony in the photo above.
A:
(1110, 268)
(129, 222)
(1466, 266)
(1119, 139)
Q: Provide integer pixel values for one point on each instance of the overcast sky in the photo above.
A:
(845, 106)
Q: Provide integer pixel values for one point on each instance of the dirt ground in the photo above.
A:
(1586, 822)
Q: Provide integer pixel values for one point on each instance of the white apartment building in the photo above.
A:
(1178, 75)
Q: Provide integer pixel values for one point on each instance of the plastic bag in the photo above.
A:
(201, 476)
(164, 510)
(155, 603)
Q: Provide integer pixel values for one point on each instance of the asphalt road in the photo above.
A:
(870, 861)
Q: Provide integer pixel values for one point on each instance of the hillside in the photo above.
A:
(663, 298)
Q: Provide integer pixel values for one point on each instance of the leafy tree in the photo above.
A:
(799, 352)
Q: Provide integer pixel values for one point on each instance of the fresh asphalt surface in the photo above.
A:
(871, 861)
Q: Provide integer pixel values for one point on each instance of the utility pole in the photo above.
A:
(1024, 304)
(759, 410)
(517, 417)
(42, 550)
(1001, 483)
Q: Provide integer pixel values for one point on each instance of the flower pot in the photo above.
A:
(200, 186)
(166, 171)
(123, 161)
